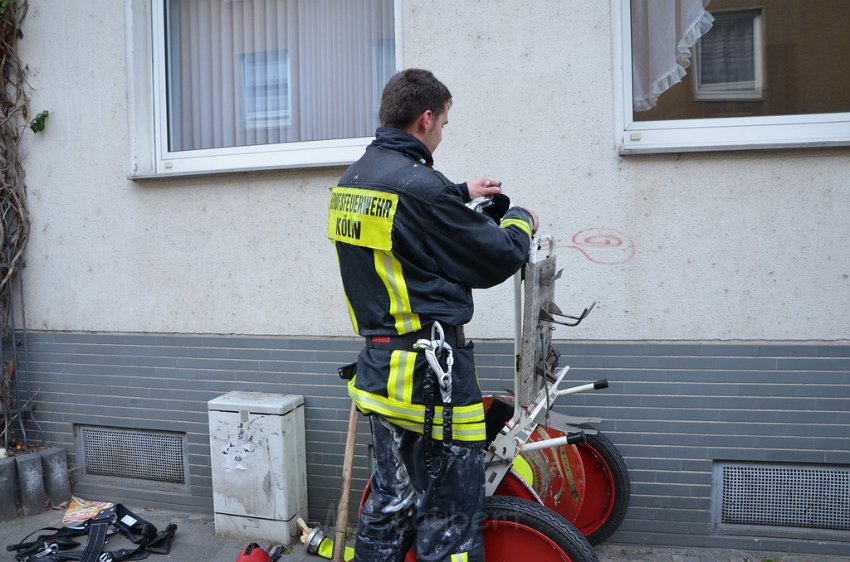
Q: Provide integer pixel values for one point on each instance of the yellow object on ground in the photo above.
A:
(326, 550)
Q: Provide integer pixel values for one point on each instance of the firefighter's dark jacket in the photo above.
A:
(410, 252)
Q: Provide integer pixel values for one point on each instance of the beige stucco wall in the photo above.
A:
(715, 246)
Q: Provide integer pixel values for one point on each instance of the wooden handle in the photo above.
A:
(342, 509)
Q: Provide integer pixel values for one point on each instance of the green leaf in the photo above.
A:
(37, 124)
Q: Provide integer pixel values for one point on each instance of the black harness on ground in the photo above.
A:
(117, 519)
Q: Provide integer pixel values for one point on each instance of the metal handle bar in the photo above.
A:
(549, 315)
(571, 439)
(598, 385)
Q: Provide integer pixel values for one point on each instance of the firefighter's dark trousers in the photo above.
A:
(440, 517)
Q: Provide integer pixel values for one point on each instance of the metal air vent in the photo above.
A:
(137, 454)
(777, 495)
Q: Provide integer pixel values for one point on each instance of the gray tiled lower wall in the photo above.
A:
(672, 409)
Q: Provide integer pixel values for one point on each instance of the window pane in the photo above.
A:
(250, 72)
(264, 82)
(727, 52)
(801, 47)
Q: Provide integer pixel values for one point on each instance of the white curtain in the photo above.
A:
(247, 72)
(663, 32)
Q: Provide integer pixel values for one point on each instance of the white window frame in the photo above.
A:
(710, 134)
(147, 104)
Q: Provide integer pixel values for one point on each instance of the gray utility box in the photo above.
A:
(258, 459)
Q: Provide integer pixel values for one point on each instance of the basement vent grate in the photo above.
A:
(141, 455)
(804, 497)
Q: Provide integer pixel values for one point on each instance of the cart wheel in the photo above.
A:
(608, 488)
(557, 474)
(520, 528)
(605, 487)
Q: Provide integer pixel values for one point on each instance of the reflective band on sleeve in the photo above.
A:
(362, 217)
(518, 223)
(389, 270)
(462, 557)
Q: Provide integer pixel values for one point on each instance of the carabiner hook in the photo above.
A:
(438, 342)
(52, 548)
(433, 349)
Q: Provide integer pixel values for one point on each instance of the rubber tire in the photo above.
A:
(603, 448)
(574, 545)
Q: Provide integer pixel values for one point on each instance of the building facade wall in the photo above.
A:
(709, 246)
(720, 278)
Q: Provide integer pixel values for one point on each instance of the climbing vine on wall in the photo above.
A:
(14, 119)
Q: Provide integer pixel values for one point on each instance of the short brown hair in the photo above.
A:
(410, 92)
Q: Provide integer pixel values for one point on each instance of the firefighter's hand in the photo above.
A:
(535, 222)
(483, 187)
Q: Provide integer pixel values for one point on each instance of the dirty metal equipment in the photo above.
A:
(536, 383)
(557, 460)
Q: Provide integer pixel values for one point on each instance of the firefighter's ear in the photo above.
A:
(425, 120)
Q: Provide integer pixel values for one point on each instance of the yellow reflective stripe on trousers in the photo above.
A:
(517, 222)
(389, 270)
(462, 557)
(400, 382)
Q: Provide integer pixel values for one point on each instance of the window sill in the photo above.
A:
(261, 158)
(708, 135)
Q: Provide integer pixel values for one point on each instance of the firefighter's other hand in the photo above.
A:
(483, 187)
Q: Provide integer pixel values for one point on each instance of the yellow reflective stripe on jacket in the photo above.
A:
(389, 270)
(400, 381)
(466, 432)
(467, 421)
(517, 222)
(462, 557)
(351, 314)
(412, 412)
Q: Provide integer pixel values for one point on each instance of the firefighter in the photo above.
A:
(410, 252)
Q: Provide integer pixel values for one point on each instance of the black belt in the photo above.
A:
(454, 337)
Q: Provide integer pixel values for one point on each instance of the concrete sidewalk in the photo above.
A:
(196, 541)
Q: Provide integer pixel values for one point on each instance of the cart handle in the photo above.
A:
(571, 439)
(598, 385)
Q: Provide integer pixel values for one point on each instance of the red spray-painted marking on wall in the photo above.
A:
(602, 245)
